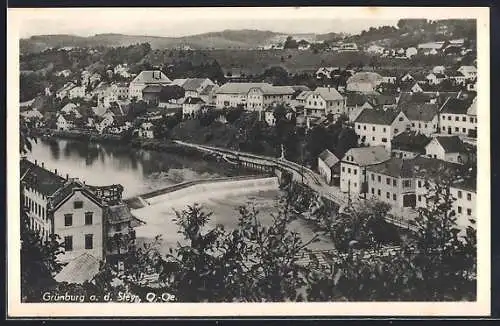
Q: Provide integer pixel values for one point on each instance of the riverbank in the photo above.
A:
(139, 143)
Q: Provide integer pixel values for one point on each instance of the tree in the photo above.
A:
(290, 43)
(168, 93)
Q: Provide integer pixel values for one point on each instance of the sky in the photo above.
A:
(181, 22)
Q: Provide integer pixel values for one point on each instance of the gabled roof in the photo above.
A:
(300, 88)
(151, 77)
(152, 89)
(394, 167)
(410, 141)
(467, 184)
(303, 95)
(277, 90)
(193, 84)
(193, 100)
(472, 110)
(119, 214)
(329, 93)
(451, 144)
(455, 106)
(207, 90)
(365, 77)
(329, 158)
(420, 111)
(355, 99)
(378, 117)
(364, 156)
(454, 73)
(71, 186)
(45, 181)
(239, 88)
(80, 270)
(380, 100)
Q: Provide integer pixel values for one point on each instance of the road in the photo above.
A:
(399, 217)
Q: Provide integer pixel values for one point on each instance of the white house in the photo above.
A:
(407, 77)
(326, 72)
(470, 72)
(77, 92)
(447, 148)
(269, 117)
(454, 118)
(377, 127)
(65, 121)
(80, 215)
(64, 91)
(145, 130)
(146, 78)
(424, 117)
(192, 105)
(122, 70)
(263, 96)
(435, 78)
(464, 206)
(323, 101)
(63, 73)
(375, 49)
(411, 52)
(194, 86)
(234, 94)
(353, 178)
(328, 166)
(457, 77)
(439, 69)
(365, 82)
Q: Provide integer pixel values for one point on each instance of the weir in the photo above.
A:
(196, 189)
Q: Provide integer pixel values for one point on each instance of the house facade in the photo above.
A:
(457, 117)
(323, 101)
(328, 166)
(258, 98)
(378, 127)
(353, 177)
(424, 117)
(447, 148)
(234, 94)
(145, 78)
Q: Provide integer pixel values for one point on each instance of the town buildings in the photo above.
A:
(364, 82)
(424, 117)
(81, 215)
(329, 166)
(353, 166)
(265, 95)
(235, 94)
(147, 78)
(324, 101)
(447, 148)
(377, 127)
(458, 117)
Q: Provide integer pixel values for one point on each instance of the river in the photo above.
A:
(140, 171)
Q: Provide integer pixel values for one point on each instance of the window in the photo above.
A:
(68, 243)
(359, 126)
(420, 125)
(348, 170)
(373, 177)
(373, 138)
(355, 184)
(396, 131)
(373, 191)
(78, 204)
(449, 117)
(471, 120)
(456, 129)
(378, 192)
(469, 211)
(394, 197)
(343, 169)
(419, 198)
(88, 241)
(373, 128)
(459, 209)
(459, 194)
(413, 124)
(464, 119)
(364, 127)
(394, 182)
(384, 129)
(469, 196)
(444, 128)
(388, 181)
(384, 140)
(464, 130)
(68, 219)
(406, 183)
(388, 195)
(400, 119)
(88, 218)
(425, 125)
(457, 119)
(355, 171)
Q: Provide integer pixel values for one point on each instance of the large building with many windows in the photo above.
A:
(84, 217)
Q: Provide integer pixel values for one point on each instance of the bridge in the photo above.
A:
(299, 173)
